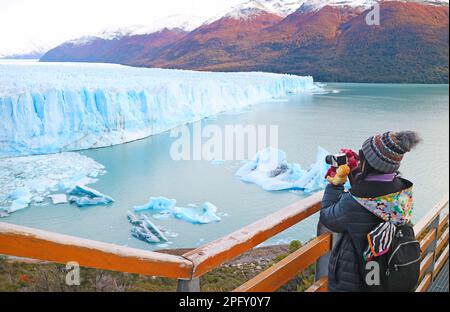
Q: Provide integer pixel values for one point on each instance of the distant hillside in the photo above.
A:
(327, 39)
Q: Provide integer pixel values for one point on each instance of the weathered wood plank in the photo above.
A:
(285, 270)
(441, 262)
(37, 244)
(425, 284)
(442, 242)
(426, 262)
(320, 286)
(425, 222)
(427, 240)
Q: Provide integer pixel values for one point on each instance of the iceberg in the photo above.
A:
(52, 107)
(58, 199)
(162, 207)
(84, 196)
(271, 171)
(31, 179)
(146, 230)
(144, 235)
(157, 204)
(206, 215)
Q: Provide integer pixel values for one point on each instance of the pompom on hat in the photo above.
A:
(384, 152)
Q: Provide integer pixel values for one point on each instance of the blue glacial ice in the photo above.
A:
(53, 107)
(162, 207)
(34, 179)
(145, 230)
(84, 196)
(157, 204)
(271, 171)
(207, 214)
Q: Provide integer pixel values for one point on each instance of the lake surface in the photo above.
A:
(343, 117)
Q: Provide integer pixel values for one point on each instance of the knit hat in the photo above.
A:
(384, 152)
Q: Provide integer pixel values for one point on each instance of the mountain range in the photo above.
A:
(330, 40)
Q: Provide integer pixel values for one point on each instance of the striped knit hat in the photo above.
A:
(384, 152)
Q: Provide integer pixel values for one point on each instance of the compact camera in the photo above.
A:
(336, 160)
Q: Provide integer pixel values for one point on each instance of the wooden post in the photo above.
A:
(322, 263)
(192, 285)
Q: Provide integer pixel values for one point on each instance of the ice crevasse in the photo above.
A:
(49, 108)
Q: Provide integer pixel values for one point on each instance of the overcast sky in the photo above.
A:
(24, 23)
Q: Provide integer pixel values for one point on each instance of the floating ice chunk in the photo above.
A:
(207, 214)
(145, 230)
(21, 199)
(157, 204)
(144, 235)
(3, 213)
(272, 172)
(42, 175)
(133, 219)
(84, 196)
(59, 199)
(153, 228)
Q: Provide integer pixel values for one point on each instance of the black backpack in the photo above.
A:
(400, 267)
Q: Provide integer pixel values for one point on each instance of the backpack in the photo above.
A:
(400, 267)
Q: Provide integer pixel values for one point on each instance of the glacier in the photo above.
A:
(270, 170)
(56, 107)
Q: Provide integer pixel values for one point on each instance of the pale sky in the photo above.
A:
(24, 23)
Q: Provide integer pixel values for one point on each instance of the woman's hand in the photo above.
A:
(341, 176)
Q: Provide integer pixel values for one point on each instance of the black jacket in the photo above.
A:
(341, 213)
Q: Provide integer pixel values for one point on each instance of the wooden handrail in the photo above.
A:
(37, 244)
(212, 255)
(425, 284)
(279, 274)
(320, 286)
(423, 225)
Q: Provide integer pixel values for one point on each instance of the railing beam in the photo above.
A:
(37, 244)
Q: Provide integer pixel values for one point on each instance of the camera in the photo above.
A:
(336, 160)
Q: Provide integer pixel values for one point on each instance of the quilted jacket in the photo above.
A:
(341, 213)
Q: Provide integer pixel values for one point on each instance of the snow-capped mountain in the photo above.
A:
(33, 50)
(283, 8)
(179, 22)
(328, 39)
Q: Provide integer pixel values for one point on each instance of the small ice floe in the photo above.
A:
(21, 199)
(58, 199)
(144, 235)
(146, 230)
(162, 207)
(157, 204)
(84, 196)
(272, 172)
(207, 214)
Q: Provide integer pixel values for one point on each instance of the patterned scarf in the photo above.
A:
(395, 210)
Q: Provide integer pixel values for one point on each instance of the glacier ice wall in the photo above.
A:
(53, 107)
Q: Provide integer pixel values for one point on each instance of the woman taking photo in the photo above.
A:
(370, 214)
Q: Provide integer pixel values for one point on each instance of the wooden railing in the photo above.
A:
(36, 244)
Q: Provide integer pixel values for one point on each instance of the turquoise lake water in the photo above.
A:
(344, 117)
